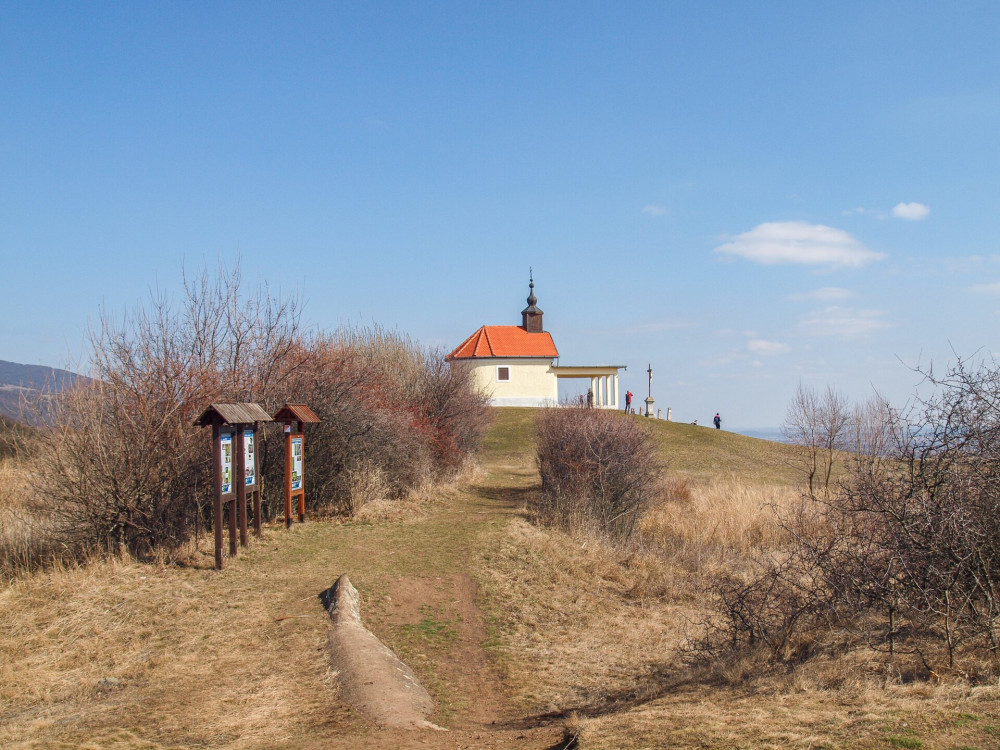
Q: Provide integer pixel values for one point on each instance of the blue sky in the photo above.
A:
(745, 195)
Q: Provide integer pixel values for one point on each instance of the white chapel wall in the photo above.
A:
(532, 382)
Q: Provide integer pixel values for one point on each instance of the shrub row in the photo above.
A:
(122, 467)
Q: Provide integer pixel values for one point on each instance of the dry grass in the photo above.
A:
(380, 508)
(702, 526)
(571, 636)
(724, 512)
(204, 654)
(576, 641)
(597, 635)
(122, 655)
(27, 536)
(786, 717)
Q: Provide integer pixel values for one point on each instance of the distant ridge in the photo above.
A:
(18, 381)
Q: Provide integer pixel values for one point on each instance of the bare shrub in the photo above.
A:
(365, 484)
(452, 412)
(122, 464)
(598, 470)
(905, 555)
(388, 406)
(122, 467)
(16, 439)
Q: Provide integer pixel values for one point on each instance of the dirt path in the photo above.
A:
(120, 655)
(434, 623)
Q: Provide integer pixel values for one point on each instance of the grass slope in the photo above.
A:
(688, 450)
(514, 629)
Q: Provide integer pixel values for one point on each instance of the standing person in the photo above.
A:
(590, 398)
(628, 401)
(718, 421)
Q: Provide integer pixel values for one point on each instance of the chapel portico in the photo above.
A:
(603, 381)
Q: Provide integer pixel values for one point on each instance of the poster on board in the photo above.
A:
(249, 465)
(227, 463)
(296, 463)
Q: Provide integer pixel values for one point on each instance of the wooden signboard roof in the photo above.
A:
(296, 413)
(233, 414)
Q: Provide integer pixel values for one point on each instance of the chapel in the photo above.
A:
(518, 365)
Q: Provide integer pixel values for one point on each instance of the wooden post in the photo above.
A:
(241, 485)
(256, 484)
(229, 469)
(288, 476)
(233, 547)
(302, 489)
(295, 415)
(217, 500)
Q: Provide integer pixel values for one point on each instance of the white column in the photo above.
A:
(593, 388)
(614, 382)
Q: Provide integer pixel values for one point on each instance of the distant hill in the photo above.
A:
(18, 381)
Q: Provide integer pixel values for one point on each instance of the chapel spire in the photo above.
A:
(531, 316)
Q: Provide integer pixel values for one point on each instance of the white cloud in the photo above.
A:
(653, 210)
(910, 211)
(862, 211)
(762, 347)
(799, 242)
(993, 288)
(845, 323)
(826, 294)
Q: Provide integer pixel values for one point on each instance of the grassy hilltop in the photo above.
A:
(689, 450)
(522, 634)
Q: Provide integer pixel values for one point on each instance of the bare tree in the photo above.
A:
(819, 423)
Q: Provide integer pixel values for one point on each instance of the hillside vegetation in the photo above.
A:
(122, 466)
(526, 637)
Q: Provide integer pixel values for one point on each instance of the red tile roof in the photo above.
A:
(505, 341)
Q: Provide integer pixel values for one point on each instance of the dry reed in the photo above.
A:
(723, 513)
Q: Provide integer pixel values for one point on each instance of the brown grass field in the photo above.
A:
(523, 635)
